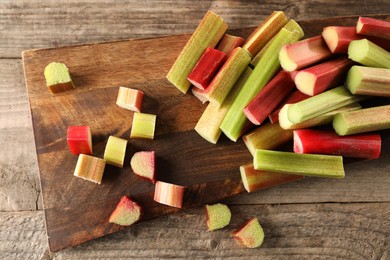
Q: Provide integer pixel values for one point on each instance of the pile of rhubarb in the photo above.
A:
(273, 87)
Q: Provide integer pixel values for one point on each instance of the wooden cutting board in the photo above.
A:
(76, 210)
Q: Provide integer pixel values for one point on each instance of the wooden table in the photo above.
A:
(314, 218)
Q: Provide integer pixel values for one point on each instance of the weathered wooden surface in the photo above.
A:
(35, 24)
(295, 231)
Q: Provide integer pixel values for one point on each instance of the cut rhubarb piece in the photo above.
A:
(227, 76)
(235, 119)
(362, 121)
(218, 216)
(294, 97)
(200, 94)
(264, 33)
(254, 180)
(130, 99)
(368, 81)
(127, 212)
(209, 123)
(90, 168)
(291, 26)
(321, 104)
(315, 165)
(143, 164)
(369, 54)
(373, 27)
(206, 68)
(169, 194)
(338, 38)
(304, 53)
(58, 77)
(143, 126)
(321, 77)
(269, 98)
(328, 142)
(250, 234)
(207, 34)
(115, 151)
(323, 119)
(79, 139)
(229, 43)
(268, 136)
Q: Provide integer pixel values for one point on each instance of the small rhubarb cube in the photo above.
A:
(58, 77)
(251, 234)
(79, 139)
(144, 165)
(169, 194)
(143, 126)
(130, 99)
(90, 168)
(127, 212)
(115, 151)
(218, 216)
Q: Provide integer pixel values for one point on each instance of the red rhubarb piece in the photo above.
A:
(327, 142)
(250, 234)
(169, 194)
(229, 43)
(318, 78)
(206, 68)
(269, 98)
(79, 140)
(373, 27)
(304, 53)
(200, 94)
(294, 97)
(144, 165)
(127, 212)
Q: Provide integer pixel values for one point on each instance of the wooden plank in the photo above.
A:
(19, 181)
(98, 69)
(297, 231)
(68, 22)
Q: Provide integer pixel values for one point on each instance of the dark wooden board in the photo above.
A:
(76, 210)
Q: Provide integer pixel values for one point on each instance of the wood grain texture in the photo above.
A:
(29, 24)
(295, 231)
(98, 70)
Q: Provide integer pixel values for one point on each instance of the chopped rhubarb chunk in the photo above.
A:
(218, 216)
(250, 234)
(90, 168)
(127, 212)
(169, 194)
(79, 139)
(144, 165)
(130, 99)
(115, 151)
(58, 77)
(143, 126)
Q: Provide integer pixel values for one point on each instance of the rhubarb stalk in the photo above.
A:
(368, 81)
(207, 34)
(169, 194)
(328, 142)
(315, 165)
(217, 216)
(269, 98)
(229, 43)
(250, 234)
(369, 54)
(58, 78)
(126, 213)
(373, 27)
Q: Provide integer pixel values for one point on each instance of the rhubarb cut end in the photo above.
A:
(305, 82)
(143, 164)
(251, 234)
(354, 78)
(298, 146)
(358, 49)
(331, 38)
(127, 212)
(58, 78)
(285, 61)
(359, 25)
(218, 216)
(251, 117)
(244, 179)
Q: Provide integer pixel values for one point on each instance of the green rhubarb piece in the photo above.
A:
(218, 216)
(268, 136)
(115, 151)
(127, 212)
(321, 104)
(291, 26)
(363, 120)
(143, 126)
(323, 119)
(235, 119)
(90, 168)
(207, 34)
(228, 75)
(211, 119)
(315, 165)
(251, 234)
(368, 81)
(58, 77)
(368, 54)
